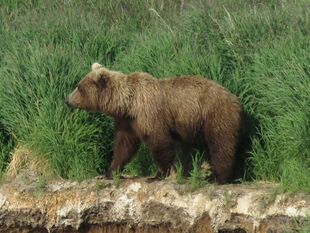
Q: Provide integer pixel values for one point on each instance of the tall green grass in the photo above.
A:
(6, 145)
(259, 50)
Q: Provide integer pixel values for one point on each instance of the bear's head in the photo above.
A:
(101, 90)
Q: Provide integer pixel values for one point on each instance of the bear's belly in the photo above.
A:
(186, 133)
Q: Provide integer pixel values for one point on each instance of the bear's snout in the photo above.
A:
(68, 103)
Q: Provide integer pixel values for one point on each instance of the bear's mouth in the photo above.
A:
(70, 104)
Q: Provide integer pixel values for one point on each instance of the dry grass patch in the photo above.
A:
(24, 159)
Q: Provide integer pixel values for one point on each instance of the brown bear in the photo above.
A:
(160, 112)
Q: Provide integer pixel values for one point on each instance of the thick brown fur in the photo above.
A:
(159, 112)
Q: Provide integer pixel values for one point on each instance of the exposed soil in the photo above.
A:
(30, 205)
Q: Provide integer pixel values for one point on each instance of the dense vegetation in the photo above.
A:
(258, 49)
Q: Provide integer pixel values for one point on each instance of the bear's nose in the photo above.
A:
(67, 103)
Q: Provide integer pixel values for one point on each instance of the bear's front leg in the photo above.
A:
(163, 151)
(126, 146)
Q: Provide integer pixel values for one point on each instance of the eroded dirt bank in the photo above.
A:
(95, 206)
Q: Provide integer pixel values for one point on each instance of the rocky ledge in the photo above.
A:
(137, 206)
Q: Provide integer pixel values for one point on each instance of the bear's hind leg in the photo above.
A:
(222, 163)
(222, 149)
(221, 134)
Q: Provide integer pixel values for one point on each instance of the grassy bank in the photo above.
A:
(259, 50)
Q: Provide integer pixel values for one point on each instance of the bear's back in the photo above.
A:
(184, 93)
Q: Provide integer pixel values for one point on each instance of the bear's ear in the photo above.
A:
(96, 66)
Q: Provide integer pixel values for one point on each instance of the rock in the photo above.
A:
(138, 206)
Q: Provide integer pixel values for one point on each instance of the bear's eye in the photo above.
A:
(102, 81)
(80, 89)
